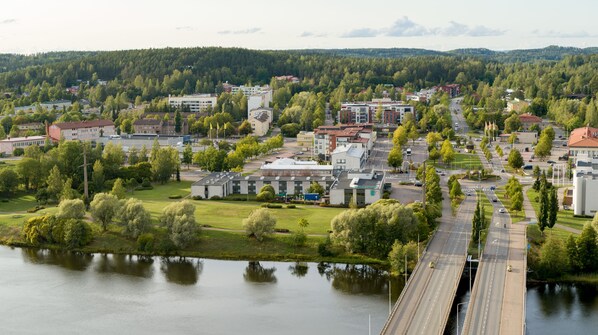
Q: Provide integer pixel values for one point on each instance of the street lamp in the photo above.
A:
(459, 304)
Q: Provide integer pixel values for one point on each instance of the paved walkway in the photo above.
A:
(513, 308)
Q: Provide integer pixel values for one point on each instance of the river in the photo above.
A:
(54, 292)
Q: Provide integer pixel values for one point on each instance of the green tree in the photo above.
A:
(553, 205)
(259, 224)
(401, 252)
(179, 219)
(395, 157)
(103, 208)
(432, 138)
(164, 164)
(67, 192)
(447, 152)
(97, 176)
(587, 249)
(515, 159)
(456, 190)
(553, 258)
(544, 208)
(315, 187)
(55, 183)
(135, 218)
(434, 154)
(517, 202)
(71, 209)
(118, 189)
(133, 156)
(30, 172)
(187, 155)
(400, 136)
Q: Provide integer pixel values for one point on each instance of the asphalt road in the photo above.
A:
(426, 301)
(485, 307)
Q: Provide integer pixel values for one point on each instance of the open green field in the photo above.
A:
(20, 203)
(230, 214)
(564, 217)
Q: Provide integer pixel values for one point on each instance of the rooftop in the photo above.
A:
(217, 178)
(530, 118)
(362, 179)
(84, 124)
(26, 138)
(349, 150)
(585, 137)
(291, 164)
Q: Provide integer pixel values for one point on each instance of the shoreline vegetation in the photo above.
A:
(222, 235)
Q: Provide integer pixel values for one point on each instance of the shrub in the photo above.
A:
(175, 196)
(274, 206)
(282, 230)
(299, 238)
(291, 206)
(77, 233)
(197, 197)
(325, 248)
(215, 197)
(259, 224)
(35, 209)
(145, 242)
(265, 196)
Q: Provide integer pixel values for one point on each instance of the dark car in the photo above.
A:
(494, 200)
(551, 162)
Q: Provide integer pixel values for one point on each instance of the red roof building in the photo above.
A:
(583, 141)
(82, 130)
(528, 120)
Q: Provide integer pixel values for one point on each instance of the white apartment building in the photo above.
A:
(585, 185)
(90, 130)
(348, 157)
(195, 102)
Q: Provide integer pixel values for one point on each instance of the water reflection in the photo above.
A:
(256, 273)
(66, 259)
(299, 269)
(181, 270)
(555, 299)
(126, 265)
(358, 279)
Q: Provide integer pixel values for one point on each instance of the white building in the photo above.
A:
(291, 167)
(195, 102)
(585, 185)
(257, 111)
(362, 187)
(222, 184)
(348, 157)
(8, 145)
(260, 123)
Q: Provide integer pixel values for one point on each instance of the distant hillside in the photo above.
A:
(551, 53)
(10, 62)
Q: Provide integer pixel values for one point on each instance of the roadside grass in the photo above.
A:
(462, 161)
(535, 237)
(488, 211)
(564, 217)
(506, 202)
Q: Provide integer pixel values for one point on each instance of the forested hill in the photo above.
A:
(10, 62)
(552, 53)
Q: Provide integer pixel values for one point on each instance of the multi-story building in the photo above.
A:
(8, 145)
(82, 130)
(147, 126)
(260, 123)
(305, 139)
(393, 112)
(195, 102)
(584, 141)
(327, 138)
(528, 120)
(361, 187)
(348, 157)
(585, 184)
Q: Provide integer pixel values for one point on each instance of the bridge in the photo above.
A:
(497, 303)
(426, 301)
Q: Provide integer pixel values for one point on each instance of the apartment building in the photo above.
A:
(82, 130)
(195, 102)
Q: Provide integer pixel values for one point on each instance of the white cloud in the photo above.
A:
(8, 21)
(404, 27)
(362, 32)
(239, 32)
(186, 28)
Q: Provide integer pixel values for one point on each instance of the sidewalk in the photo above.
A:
(513, 309)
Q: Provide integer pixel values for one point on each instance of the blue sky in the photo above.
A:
(29, 26)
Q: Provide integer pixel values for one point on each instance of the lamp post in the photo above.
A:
(459, 304)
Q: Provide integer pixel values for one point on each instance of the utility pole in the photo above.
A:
(424, 185)
(85, 183)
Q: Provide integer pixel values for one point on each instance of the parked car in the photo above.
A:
(551, 162)
(418, 183)
(502, 210)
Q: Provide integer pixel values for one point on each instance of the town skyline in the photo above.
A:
(70, 25)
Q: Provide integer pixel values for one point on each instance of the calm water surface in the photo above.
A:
(49, 292)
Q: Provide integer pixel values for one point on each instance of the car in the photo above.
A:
(469, 194)
(502, 170)
(531, 160)
(432, 265)
(114, 137)
(442, 173)
(502, 210)
(509, 268)
(418, 183)
(564, 144)
(494, 200)
(492, 187)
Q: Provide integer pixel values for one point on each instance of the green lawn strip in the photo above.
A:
(564, 217)
(536, 238)
(506, 202)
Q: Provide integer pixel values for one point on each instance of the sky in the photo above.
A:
(32, 26)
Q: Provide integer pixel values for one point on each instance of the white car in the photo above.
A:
(502, 210)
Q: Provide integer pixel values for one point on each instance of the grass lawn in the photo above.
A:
(564, 217)
(462, 161)
(21, 203)
(11, 224)
(230, 214)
